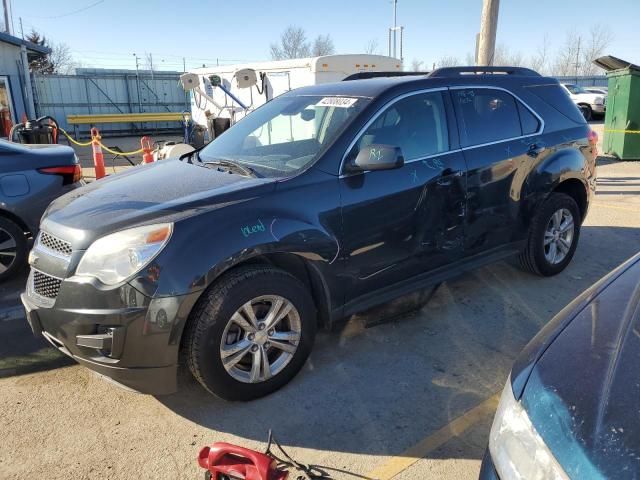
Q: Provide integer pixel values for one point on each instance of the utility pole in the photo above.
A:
(7, 20)
(151, 64)
(184, 65)
(488, 29)
(21, 30)
(395, 25)
(393, 34)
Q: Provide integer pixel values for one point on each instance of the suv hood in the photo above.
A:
(582, 396)
(164, 191)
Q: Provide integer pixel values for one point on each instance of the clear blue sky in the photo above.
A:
(109, 33)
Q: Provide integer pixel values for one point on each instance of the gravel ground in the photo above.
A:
(365, 396)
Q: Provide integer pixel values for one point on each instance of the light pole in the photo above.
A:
(138, 85)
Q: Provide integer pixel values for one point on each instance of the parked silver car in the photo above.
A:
(31, 177)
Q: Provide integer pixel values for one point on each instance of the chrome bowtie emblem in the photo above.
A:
(33, 258)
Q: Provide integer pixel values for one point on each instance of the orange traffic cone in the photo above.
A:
(145, 143)
(98, 157)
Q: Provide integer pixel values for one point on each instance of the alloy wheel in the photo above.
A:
(8, 250)
(558, 236)
(260, 339)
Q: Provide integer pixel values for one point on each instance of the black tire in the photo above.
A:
(11, 234)
(587, 113)
(214, 309)
(533, 259)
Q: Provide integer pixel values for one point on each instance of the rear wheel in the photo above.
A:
(251, 333)
(13, 248)
(553, 236)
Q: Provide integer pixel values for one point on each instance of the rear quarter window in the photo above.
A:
(558, 98)
(530, 124)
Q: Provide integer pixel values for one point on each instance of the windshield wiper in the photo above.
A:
(238, 167)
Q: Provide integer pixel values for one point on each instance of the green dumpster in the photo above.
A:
(622, 118)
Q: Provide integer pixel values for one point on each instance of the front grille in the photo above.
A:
(45, 285)
(55, 244)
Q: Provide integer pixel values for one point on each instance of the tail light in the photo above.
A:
(592, 136)
(70, 174)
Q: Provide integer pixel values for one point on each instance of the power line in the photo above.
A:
(69, 13)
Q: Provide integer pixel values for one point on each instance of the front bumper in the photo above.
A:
(598, 108)
(117, 332)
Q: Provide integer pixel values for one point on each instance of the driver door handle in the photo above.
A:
(447, 175)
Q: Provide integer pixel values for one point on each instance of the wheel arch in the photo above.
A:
(291, 263)
(15, 219)
(577, 190)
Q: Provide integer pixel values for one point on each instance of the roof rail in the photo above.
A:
(453, 71)
(395, 73)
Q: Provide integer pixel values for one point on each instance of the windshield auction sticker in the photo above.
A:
(340, 102)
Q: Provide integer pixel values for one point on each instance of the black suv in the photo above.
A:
(324, 202)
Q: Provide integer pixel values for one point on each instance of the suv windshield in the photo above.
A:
(285, 135)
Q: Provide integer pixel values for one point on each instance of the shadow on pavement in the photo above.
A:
(20, 351)
(381, 390)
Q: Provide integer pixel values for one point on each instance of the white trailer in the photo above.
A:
(233, 91)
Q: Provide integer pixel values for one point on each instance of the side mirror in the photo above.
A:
(377, 157)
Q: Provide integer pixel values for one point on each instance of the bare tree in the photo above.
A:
(322, 45)
(292, 44)
(567, 57)
(371, 48)
(576, 55)
(470, 59)
(540, 59)
(416, 65)
(448, 61)
(503, 56)
(600, 37)
(61, 59)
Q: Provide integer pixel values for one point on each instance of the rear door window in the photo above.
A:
(486, 115)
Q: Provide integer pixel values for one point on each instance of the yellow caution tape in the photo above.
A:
(98, 138)
(621, 131)
(115, 152)
(80, 144)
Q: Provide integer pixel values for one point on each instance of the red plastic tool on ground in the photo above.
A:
(226, 461)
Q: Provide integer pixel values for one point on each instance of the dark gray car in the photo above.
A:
(31, 177)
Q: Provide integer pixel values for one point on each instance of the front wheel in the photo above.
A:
(587, 112)
(13, 249)
(553, 236)
(250, 333)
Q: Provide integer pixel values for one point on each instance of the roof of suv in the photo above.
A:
(455, 76)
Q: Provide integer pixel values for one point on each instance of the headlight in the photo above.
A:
(517, 450)
(599, 101)
(116, 257)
